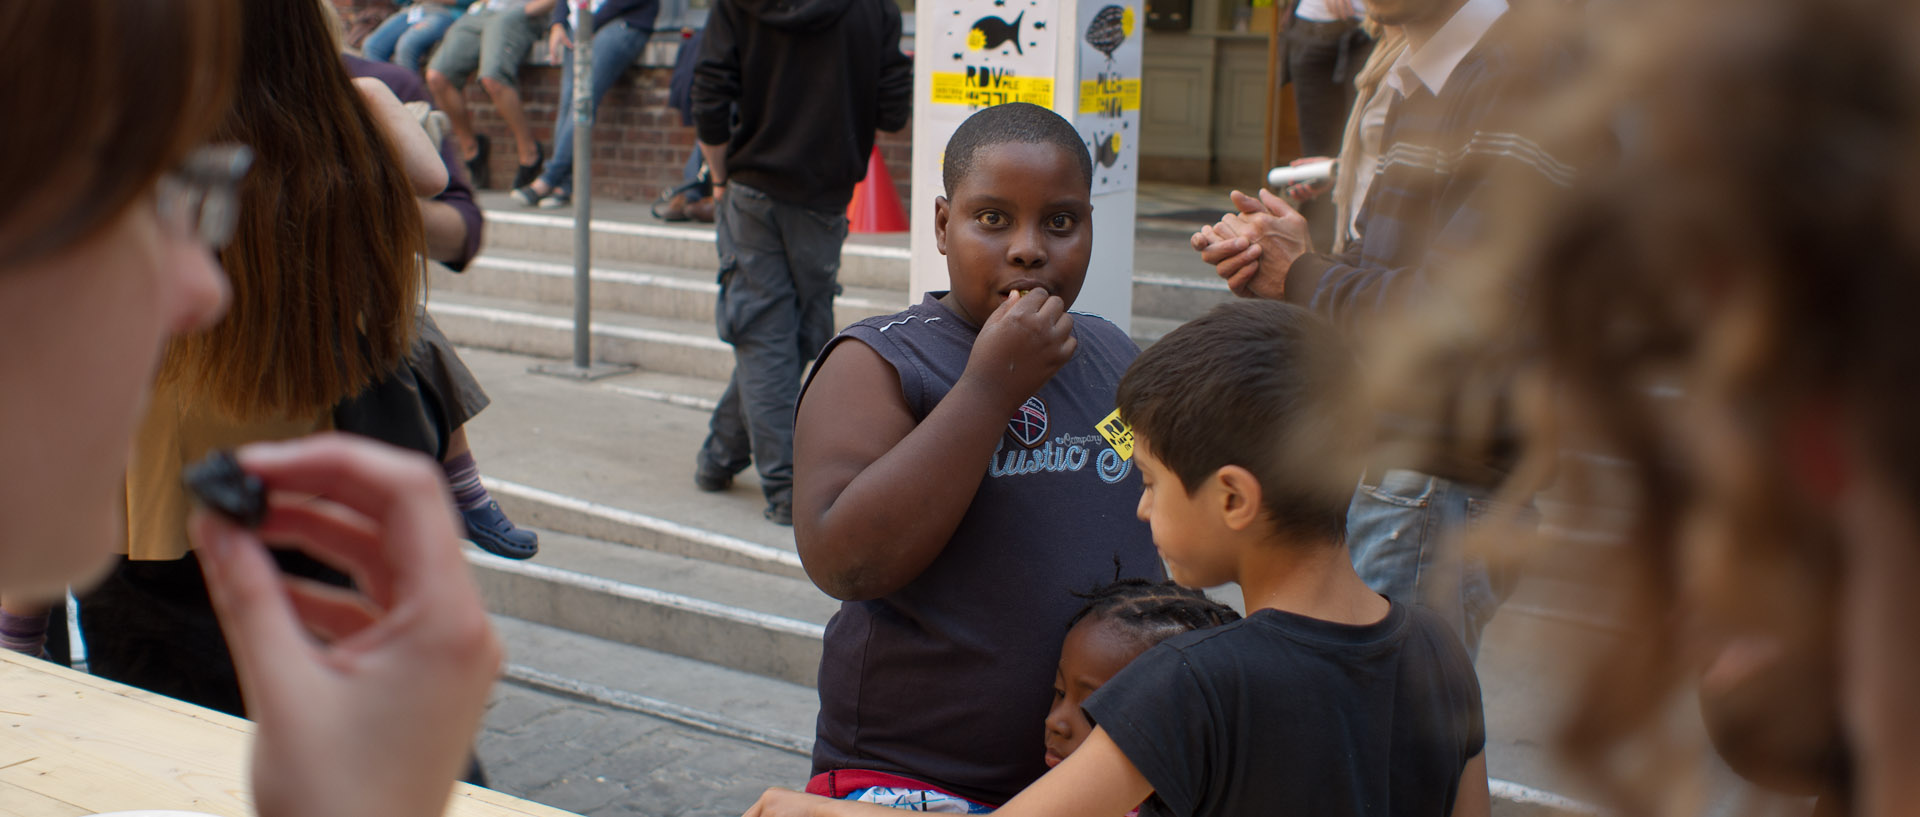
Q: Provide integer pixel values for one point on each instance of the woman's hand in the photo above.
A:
(366, 702)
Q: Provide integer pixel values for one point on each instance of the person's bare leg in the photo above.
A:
(457, 444)
(506, 100)
(454, 102)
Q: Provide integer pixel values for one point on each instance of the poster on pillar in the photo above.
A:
(1108, 117)
(990, 52)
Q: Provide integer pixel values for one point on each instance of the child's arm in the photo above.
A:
(876, 496)
(1096, 780)
(1473, 799)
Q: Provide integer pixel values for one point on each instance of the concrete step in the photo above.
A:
(677, 293)
(626, 443)
(764, 710)
(1169, 281)
(729, 616)
(863, 262)
(546, 330)
(609, 730)
(661, 344)
(1176, 297)
(539, 508)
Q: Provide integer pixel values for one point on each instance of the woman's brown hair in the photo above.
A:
(1741, 275)
(101, 97)
(325, 263)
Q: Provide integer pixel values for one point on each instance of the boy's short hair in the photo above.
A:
(1022, 122)
(1263, 385)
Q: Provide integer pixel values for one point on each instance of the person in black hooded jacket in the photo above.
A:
(810, 80)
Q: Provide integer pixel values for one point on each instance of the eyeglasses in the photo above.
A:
(201, 196)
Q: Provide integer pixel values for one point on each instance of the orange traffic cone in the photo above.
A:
(876, 205)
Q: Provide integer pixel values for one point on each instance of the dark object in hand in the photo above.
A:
(218, 481)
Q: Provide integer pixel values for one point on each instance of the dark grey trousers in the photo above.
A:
(1322, 60)
(779, 273)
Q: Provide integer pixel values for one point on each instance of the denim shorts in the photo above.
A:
(493, 42)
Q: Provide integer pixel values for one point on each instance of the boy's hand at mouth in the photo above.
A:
(1022, 345)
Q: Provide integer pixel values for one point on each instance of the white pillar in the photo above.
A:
(1079, 57)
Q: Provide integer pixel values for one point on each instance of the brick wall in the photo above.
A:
(639, 145)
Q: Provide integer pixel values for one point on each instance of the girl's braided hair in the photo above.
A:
(1155, 611)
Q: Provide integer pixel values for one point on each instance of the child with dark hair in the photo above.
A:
(1328, 698)
(1121, 621)
(952, 484)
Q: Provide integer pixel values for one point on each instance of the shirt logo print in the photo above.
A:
(1029, 424)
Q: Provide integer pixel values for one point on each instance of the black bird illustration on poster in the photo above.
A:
(1107, 150)
(1109, 29)
(993, 32)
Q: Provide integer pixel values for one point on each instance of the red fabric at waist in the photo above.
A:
(841, 782)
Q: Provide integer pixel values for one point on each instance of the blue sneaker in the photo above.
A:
(489, 528)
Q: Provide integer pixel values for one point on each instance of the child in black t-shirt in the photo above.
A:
(1327, 699)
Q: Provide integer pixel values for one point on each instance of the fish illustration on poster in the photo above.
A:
(1109, 73)
(991, 52)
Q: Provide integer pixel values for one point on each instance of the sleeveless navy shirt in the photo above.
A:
(949, 679)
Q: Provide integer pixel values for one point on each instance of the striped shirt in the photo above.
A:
(1448, 135)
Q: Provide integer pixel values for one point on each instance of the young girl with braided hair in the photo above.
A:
(1121, 620)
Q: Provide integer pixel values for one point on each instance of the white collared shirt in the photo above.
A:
(1431, 64)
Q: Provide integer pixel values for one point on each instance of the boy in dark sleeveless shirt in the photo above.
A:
(1327, 699)
(953, 487)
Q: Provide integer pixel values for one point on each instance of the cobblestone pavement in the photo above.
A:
(606, 763)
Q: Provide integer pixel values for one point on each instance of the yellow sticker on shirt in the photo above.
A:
(1118, 434)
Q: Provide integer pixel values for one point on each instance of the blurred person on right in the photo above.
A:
(1728, 311)
(1453, 139)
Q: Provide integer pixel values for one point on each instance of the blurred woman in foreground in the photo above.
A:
(114, 203)
(1729, 307)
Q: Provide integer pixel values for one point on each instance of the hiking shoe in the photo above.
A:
(702, 210)
(673, 208)
(711, 480)
(779, 513)
(556, 200)
(526, 196)
(490, 528)
(527, 173)
(477, 174)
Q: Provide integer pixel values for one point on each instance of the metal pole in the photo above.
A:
(582, 182)
(582, 367)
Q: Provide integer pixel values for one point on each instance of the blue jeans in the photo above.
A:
(691, 174)
(406, 41)
(779, 273)
(1406, 536)
(614, 48)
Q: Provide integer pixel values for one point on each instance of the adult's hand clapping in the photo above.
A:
(1253, 248)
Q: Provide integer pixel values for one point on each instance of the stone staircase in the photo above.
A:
(651, 597)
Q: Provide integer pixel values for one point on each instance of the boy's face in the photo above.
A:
(1188, 529)
(1020, 220)
(1096, 649)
